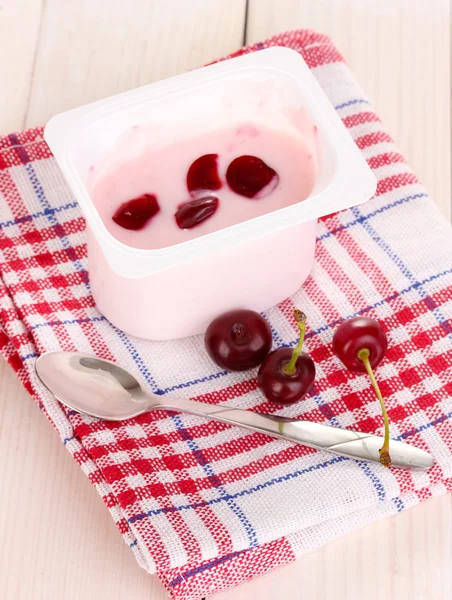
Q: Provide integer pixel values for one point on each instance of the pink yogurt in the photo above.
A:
(154, 159)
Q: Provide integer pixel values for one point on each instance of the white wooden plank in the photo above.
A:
(399, 51)
(89, 50)
(406, 557)
(19, 30)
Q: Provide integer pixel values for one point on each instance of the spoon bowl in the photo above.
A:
(93, 386)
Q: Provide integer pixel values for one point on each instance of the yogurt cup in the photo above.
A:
(176, 291)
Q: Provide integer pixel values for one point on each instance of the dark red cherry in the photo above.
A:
(355, 335)
(361, 343)
(238, 340)
(281, 387)
(196, 211)
(286, 374)
(203, 174)
(249, 175)
(135, 213)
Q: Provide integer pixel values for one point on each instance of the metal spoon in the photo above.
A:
(102, 389)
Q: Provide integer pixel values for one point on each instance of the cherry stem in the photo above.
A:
(300, 318)
(385, 458)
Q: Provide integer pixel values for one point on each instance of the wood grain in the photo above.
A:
(401, 558)
(58, 538)
(89, 50)
(19, 32)
(399, 51)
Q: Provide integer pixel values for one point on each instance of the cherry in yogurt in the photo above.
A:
(135, 213)
(203, 174)
(251, 177)
(196, 211)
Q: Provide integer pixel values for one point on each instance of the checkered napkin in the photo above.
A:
(202, 504)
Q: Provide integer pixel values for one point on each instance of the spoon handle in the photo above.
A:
(344, 442)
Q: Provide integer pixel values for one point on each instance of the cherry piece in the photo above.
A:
(249, 175)
(196, 211)
(286, 375)
(135, 213)
(361, 343)
(238, 340)
(203, 174)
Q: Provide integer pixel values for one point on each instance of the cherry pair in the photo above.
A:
(241, 339)
(135, 213)
(247, 176)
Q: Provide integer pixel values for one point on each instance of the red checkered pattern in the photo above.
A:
(204, 505)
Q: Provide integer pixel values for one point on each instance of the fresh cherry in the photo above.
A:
(238, 340)
(135, 213)
(196, 211)
(249, 176)
(203, 174)
(361, 343)
(286, 375)
(357, 333)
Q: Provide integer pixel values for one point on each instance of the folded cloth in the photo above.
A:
(202, 504)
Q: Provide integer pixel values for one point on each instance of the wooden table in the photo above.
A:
(56, 538)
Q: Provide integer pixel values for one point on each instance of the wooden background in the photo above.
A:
(56, 538)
